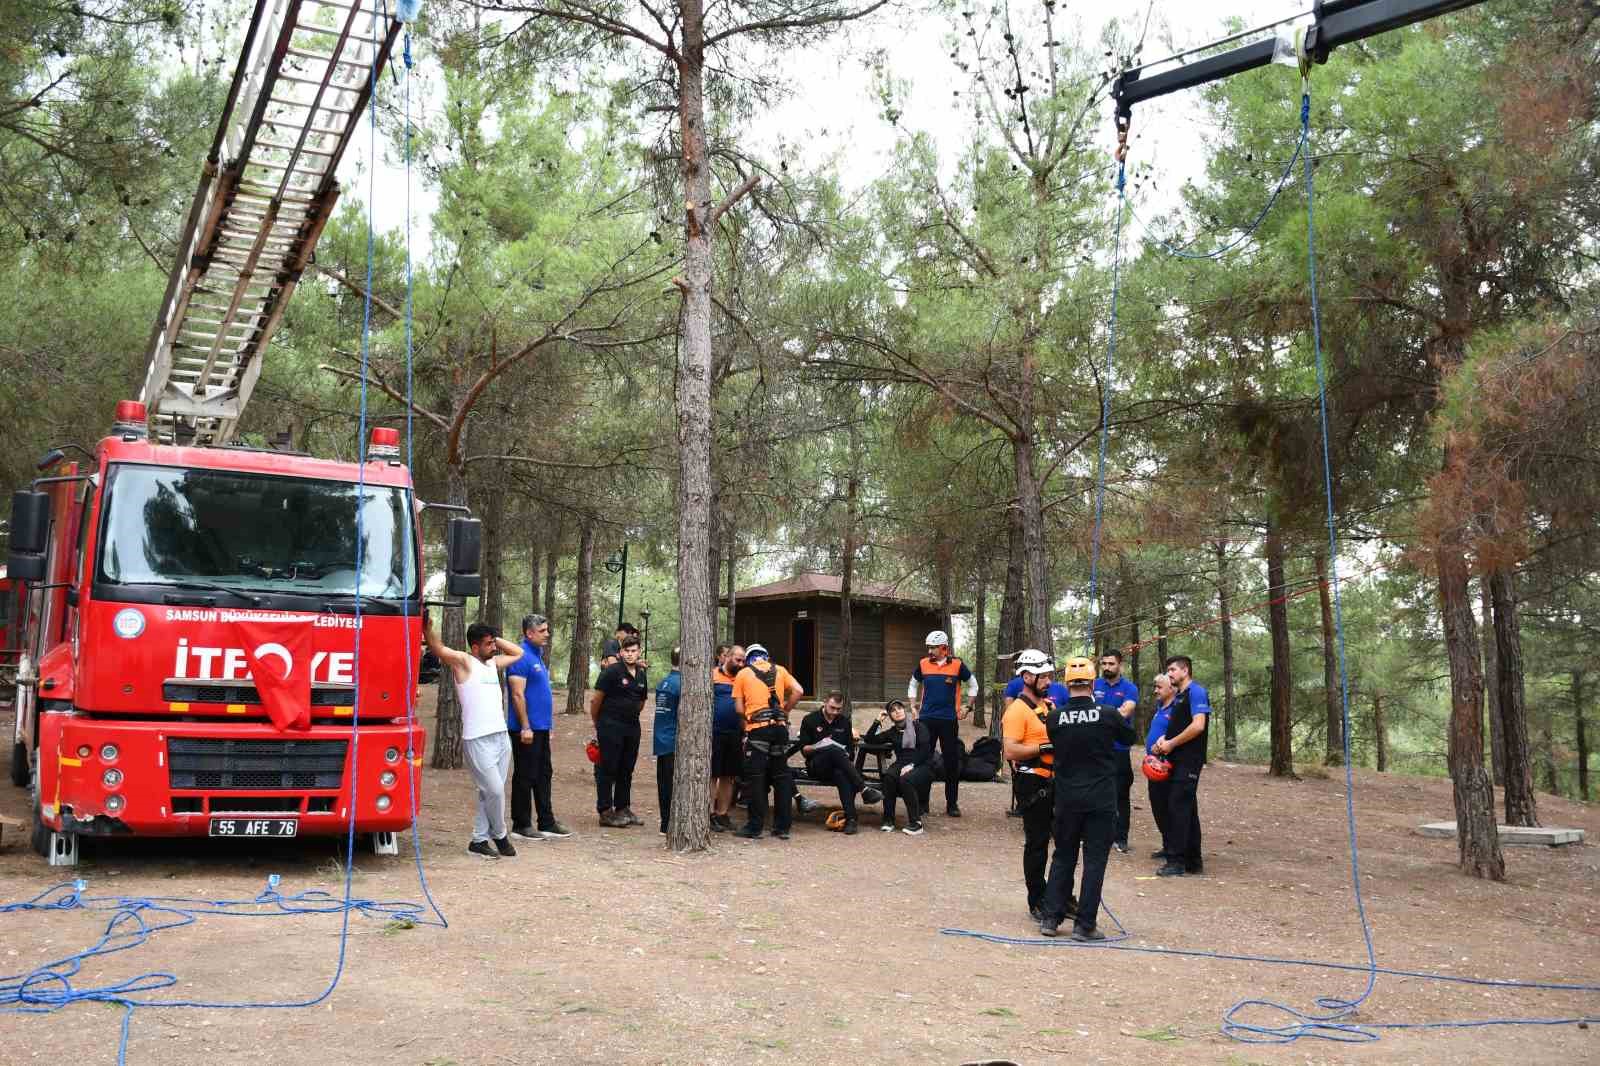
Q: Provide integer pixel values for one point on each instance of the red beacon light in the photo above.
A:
(132, 420)
(384, 443)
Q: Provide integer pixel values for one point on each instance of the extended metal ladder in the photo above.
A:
(297, 97)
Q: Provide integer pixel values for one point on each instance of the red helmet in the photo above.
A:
(1156, 768)
(592, 749)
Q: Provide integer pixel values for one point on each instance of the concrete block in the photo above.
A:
(1513, 835)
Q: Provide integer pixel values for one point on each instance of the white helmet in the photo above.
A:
(1034, 661)
(756, 651)
(937, 639)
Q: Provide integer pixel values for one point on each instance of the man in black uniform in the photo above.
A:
(1082, 738)
(828, 743)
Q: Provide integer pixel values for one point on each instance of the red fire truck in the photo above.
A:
(199, 654)
(192, 668)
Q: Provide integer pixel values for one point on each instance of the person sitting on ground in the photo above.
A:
(910, 775)
(828, 743)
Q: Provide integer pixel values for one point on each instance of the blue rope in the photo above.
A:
(136, 919)
(1105, 409)
(1329, 1022)
(1300, 150)
(411, 675)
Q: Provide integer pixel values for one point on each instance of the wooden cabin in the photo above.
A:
(798, 621)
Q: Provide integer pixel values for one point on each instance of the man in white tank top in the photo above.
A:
(483, 726)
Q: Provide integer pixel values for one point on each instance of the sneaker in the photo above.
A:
(781, 834)
(630, 817)
(526, 832)
(807, 805)
(484, 848)
(1036, 914)
(887, 827)
(913, 829)
(1161, 854)
(614, 820)
(1121, 846)
(717, 826)
(749, 832)
(953, 811)
(850, 828)
(1049, 927)
(503, 846)
(556, 831)
(871, 795)
(1087, 936)
(1171, 869)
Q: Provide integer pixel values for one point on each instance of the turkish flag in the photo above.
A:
(279, 656)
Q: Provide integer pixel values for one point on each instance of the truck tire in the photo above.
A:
(21, 771)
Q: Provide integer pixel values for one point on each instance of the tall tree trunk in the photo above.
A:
(1230, 729)
(690, 828)
(494, 557)
(1582, 734)
(1521, 807)
(1031, 509)
(1282, 764)
(582, 621)
(1008, 638)
(1497, 739)
(1547, 734)
(1162, 650)
(1333, 754)
(847, 577)
(946, 593)
(447, 724)
(1380, 732)
(733, 588)
(715, 554)
(980, 705)
(1477, 837)
(552, 559)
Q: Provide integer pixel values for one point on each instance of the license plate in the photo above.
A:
(254, 827)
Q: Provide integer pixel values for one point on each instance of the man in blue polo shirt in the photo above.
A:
(528, 720)
(1184, 743)
(1113, 690)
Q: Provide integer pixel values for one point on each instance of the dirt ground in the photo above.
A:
(606, 948)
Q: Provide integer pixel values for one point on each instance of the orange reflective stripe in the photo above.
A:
(951, 667)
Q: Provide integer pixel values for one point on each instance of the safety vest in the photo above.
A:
(773, 713)
(1042, 764)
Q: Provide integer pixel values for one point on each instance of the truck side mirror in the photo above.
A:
(30, 530)
(463, 551)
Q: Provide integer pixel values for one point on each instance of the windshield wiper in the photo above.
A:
(373, 604)
(207, 586)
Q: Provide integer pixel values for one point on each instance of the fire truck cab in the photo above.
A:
(202, 653)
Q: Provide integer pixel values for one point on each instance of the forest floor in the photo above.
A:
(606, 948)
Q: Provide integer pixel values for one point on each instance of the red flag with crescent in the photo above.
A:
(279, 656)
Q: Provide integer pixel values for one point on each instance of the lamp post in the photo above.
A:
(644, 613)
(618, 564)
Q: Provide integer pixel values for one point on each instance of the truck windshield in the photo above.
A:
(172, 526)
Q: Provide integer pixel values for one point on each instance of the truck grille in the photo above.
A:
(207, 762)
(179, 692)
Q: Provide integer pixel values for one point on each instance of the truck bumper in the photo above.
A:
(171, 778)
